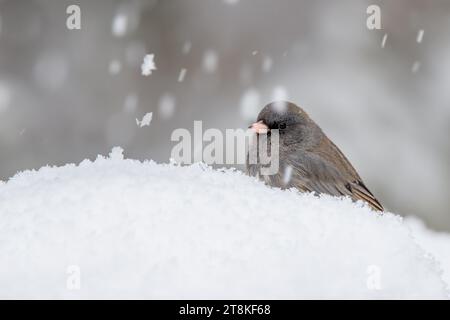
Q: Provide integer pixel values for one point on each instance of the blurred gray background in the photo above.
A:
(67, 95)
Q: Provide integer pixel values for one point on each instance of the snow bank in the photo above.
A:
(127, 229)
(437, 244)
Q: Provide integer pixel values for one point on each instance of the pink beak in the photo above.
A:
(259, 127)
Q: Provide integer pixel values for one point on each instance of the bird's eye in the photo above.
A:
(282, 126)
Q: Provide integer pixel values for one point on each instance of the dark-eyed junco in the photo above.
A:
(308, 160)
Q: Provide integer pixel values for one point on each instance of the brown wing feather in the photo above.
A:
(311, 172)
(360, 191)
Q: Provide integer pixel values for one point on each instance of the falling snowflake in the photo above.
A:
(114, 67)
(280, 96)
(420, 36)
(182, 75)
(148, 65)
(231, 1)
(145, 120)
(210, 61)
(126, 18)
(279, 93)
(250, 104)
(119, 25)
(415, 67)
(287, 175)
(383, 42)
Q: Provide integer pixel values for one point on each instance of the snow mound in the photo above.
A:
(130, 229)
(436, 243)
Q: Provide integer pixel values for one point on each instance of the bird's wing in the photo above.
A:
(315, 174)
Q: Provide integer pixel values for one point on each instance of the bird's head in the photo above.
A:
(289, 119)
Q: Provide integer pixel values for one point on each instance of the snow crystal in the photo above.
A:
(383, 42)
(148, 65)
(145, 120)
(210, 60)
(114, 67)
(287, 175)
(119, 25)
(116, 153)
(250, 104)
(182, 75)
(415, 67)
(280, 96)
(144, 230)
(166, 106)
(420, 36)
(231, 2)
(279, 93)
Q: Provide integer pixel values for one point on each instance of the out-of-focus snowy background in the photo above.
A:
(70, 94)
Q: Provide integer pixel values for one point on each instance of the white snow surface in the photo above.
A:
(146, 230)
(435, 243)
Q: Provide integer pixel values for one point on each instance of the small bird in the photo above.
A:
(308, 160)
